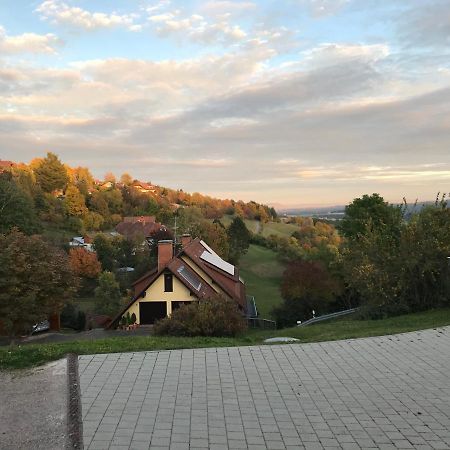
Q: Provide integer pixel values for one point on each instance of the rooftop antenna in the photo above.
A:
(175, 227)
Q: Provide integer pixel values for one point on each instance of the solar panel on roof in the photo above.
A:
(217, 261)
(190, 278)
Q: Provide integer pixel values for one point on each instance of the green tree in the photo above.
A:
(396, 273)
(35, 281)
(51, 174)
(214, 235)
(369, 213)
(108, 250)
(107, 295)
(238, 239)
(16, 208)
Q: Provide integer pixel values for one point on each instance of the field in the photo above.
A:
(24, 356)
(278, 228)
(262, 271)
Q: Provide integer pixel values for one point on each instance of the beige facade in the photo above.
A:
(155, 293)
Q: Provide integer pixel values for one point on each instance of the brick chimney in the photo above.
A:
(165, 253)
(185, 240)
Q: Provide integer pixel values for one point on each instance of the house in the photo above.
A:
(143, 188)
(80, 241)
(6, 166)
(130, 227)
(194, 273)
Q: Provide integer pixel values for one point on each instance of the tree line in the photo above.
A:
(385, 259)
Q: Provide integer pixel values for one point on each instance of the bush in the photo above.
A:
(210, 317)
(72, 317)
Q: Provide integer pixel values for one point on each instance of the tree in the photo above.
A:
(306, 286)
(84, 263)
(238, 239)
(51, 174)
(109, 176)
(107, 294)
(16, 208)
(396, 272)
(214, 235)
(369, 213)
(83, 179)
(126, 179)
(75, 202)
(106, 250)
(35, 281)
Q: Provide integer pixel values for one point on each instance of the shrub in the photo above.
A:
(210, 317)
(72, 317)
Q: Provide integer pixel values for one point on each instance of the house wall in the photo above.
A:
(155, 293)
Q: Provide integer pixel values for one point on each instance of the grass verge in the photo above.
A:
(21, 357)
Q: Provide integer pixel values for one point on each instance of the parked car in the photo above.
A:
(41, 326)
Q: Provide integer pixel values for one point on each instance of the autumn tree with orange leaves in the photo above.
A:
(84, 263)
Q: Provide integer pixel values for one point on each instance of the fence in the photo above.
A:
(327, 316)
(255, 322)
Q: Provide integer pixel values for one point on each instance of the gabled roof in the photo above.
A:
(215, 267)
(218, 269)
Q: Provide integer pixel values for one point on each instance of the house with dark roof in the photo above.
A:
(194, 273)
(131, 227)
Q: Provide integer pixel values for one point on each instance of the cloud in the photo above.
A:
(28, 43)
(227, 8)
(196, 28)
(321, 8)
(61, 13)
(426, 24)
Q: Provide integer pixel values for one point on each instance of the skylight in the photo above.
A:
(190, 278)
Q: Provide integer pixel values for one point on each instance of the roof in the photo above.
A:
(213, 265)
(144, 227)
(219, 270)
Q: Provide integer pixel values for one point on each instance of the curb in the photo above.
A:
(74, 417)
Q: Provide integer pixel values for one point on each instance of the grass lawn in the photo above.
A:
(280, 229)
(262, 271)
(20, 357)
(277, 228)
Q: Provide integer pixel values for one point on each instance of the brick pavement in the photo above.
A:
(390, 392)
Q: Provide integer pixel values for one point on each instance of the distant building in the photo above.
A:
(144, 188)
(131, 227)
(80, 241)
(6, 166)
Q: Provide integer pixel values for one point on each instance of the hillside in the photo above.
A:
(261, 271)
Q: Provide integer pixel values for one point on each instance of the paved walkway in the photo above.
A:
(33, 408)
(385, 392)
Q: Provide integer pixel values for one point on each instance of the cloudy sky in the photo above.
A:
(295, 102)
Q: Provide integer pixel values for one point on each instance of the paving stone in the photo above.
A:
(388, 392)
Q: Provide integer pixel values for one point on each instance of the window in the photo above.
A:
(168, 282)
(190, 278)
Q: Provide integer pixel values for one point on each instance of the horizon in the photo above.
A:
(309, 102)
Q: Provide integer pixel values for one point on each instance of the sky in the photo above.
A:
(296, 102)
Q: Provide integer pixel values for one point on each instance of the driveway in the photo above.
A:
(390, 392)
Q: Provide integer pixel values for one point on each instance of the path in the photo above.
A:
(33, 408)
(390, 392)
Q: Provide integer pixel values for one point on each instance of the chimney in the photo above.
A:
(165, 253)
(185, 240)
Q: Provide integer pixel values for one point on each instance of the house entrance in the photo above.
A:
(149, 312)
